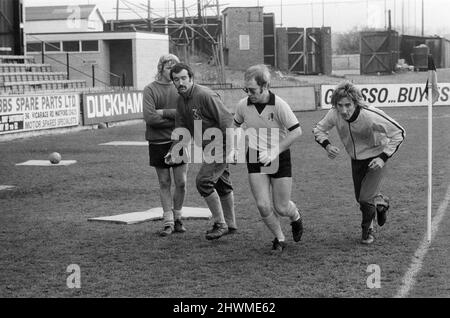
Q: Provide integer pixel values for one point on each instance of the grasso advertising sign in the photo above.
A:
(108, 107)
(36, 112)
(385, 95)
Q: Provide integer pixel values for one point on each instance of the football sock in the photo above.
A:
(177, 214)
(214, 205)
(291, 212)
(168, 218)
(294, 212)
(228, 209)
(273, 223)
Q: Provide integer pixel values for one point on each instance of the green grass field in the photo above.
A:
(44, 227)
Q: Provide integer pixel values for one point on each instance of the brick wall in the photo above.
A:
(244, 22)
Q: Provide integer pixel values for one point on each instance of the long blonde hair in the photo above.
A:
(163, 60)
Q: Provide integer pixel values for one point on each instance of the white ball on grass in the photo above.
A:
(54, 157)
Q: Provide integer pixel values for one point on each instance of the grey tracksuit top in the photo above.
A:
(367, 134)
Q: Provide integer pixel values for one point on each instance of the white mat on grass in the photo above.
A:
(125, 143)
(46, 163)
(6, 187)
(153, 215)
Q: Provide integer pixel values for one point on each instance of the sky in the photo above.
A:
(340, 15)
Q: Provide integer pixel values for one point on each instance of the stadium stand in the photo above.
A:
(20, 74)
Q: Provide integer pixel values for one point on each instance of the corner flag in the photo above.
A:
(432, 80)
(431, 89)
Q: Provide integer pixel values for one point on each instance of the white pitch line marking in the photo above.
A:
(46, 163)
(6, 187)
(153, 214)
(410, 277)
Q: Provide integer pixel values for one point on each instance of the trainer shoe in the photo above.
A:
(297, 229)
(168, 229)
(367, 238)
(382, 209)
(178, 227)
(214, 227)
(217, 231)
(231, 230)
(278, 246)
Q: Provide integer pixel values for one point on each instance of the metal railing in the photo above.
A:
(119, 78)
(36, 90)
(217, 85)
(274, 83)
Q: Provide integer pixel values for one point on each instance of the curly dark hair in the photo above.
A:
(177, 68)
(349, 90)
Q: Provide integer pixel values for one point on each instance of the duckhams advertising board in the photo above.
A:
(20, 113)
(111, 106)
(389, 95)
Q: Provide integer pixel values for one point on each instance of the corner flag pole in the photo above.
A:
(432, 96)
(430, 157)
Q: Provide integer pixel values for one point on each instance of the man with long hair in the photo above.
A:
(370, 137)
(159, 106)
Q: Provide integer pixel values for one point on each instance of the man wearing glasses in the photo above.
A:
(272, 127)
(198, 104)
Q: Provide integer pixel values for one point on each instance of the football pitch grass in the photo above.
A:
(44, 224)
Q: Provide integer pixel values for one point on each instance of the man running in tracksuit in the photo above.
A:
(198, 104)
(370, 137)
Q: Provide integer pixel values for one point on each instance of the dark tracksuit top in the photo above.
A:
(201, 103)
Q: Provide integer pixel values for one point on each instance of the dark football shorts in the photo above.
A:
(284, 165)
(157, 152)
